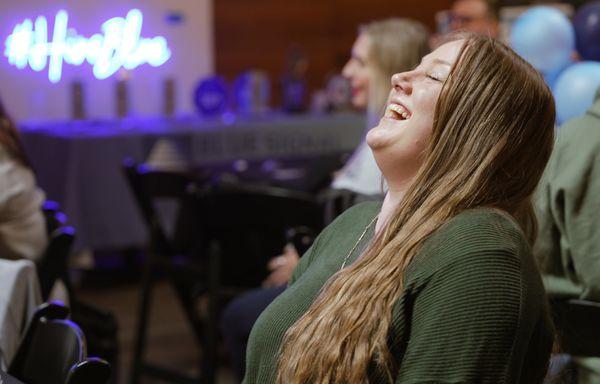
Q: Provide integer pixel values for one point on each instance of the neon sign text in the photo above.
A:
(120, 45)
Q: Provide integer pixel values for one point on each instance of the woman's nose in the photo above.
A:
(348, 70)
(401, 82)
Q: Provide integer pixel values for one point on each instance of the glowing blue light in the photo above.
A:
(120, 45)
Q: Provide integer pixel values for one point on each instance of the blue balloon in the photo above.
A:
(587, 31)
(575, 89)
(544, 37)
(551, 76)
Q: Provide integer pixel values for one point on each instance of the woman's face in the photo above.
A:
(358, 71)
(403, 133)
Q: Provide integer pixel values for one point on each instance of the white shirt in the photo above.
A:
(360, 174)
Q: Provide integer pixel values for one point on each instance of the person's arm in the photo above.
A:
(547, 249)
(567, 249)
(464, 323)
(282, 267)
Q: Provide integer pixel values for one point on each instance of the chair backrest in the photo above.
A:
(54, 217)
(148, 185)
(56, 346)
(233, 204)
(53, 350)
(89, 371)
(54, 265)
(249, 219)
(250, 222)
(51, 346)
(577, 324)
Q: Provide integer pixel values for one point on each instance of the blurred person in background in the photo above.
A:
(381, 49)
(568, 206)
(22, 223)
(368, 70)
(476, 16)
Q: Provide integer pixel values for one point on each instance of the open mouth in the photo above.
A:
(397, 112)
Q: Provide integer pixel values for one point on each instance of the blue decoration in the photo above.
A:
(252, 91)
(551, 76)
(293, 94)
(545, 37)
(575, 89)
(211, 96)
(118, 46)
(587, 31)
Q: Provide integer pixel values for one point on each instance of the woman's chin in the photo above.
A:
(376, 137)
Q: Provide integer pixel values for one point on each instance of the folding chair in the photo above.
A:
(232, 224)
(53, 351)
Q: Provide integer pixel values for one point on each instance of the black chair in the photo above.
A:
(165, 257)
(53, 351)
(246, 224)
(99, 325)
(577, 324)
(229, 223)
(53, 265)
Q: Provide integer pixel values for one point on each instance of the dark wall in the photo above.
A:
(259, 33)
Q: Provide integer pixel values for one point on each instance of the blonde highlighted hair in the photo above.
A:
(397, 45)
(491, 138)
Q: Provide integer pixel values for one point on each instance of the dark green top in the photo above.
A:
(568, 209)
(473, 309)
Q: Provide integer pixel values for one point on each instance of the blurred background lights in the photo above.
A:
(120, 45)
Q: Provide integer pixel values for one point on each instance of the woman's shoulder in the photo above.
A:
(482, 227)
(367, 208)
(357, 215)
(482, 237)
(351, 222)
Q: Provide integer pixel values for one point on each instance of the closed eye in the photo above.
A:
(434, 78)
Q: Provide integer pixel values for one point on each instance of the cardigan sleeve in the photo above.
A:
(547, 249)
(567, 206)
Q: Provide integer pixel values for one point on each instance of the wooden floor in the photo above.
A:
(170, 340)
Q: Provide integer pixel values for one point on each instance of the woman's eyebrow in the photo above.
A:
(443, 62)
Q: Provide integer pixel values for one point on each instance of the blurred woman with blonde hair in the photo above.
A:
(381, 49)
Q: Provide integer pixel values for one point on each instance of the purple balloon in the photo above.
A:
(587, 31)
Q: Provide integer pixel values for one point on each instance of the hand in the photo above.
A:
(281, 267)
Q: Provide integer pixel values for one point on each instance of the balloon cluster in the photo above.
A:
(546, 38)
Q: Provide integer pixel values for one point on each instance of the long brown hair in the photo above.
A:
(492, 135)
(9, 138)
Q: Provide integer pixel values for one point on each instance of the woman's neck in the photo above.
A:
(392, 198)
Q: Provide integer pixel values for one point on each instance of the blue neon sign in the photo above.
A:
(120, 45)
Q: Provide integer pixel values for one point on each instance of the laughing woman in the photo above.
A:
(436, 284)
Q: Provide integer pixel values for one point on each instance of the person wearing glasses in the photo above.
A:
(476, 16)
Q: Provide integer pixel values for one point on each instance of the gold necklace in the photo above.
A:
(364, 232)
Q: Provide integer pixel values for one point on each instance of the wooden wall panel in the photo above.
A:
(259, 33)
